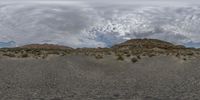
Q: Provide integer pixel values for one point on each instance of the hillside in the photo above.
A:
(147, 44)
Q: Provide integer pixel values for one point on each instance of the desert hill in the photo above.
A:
(45, 46)
(147, 44)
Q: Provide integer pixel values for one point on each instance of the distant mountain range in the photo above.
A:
(8, 44)
(133, 43)
(45, 46)
(147, 43)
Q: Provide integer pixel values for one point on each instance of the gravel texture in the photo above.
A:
(79, 77)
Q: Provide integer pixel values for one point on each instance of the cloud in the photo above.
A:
(89, 25)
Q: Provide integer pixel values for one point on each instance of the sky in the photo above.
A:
(98, 23)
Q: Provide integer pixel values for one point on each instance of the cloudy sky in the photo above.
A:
(98, 23)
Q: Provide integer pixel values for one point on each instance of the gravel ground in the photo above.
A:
(86, 78)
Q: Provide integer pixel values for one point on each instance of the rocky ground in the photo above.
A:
(134, 70)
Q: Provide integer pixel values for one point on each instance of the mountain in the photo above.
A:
(130, 44)
(45, 46)
(147, 44)
(7, 44)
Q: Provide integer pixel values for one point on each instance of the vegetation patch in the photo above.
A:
(9, 55)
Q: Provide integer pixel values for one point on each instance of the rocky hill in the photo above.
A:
(147, 44)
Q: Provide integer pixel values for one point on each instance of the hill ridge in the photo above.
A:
(45, 46)
(148, 44)
(132, 43)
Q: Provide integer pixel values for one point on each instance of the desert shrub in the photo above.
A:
(54, 52)
(190, 53)
(56, 98)
(144, 54)
(178, 55)
(87, 53)
(16, 52)
(98, 56)
(138, 57)
(128, 55)
(44, 56)
(61, 53)
(108, 53)
(168, 54)
(36, 52)
(120, 57)
(151, 55)
(116, 95)
(28, 50)
(134, 60)
(24, 55)
(9, 55)
(126, 52)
